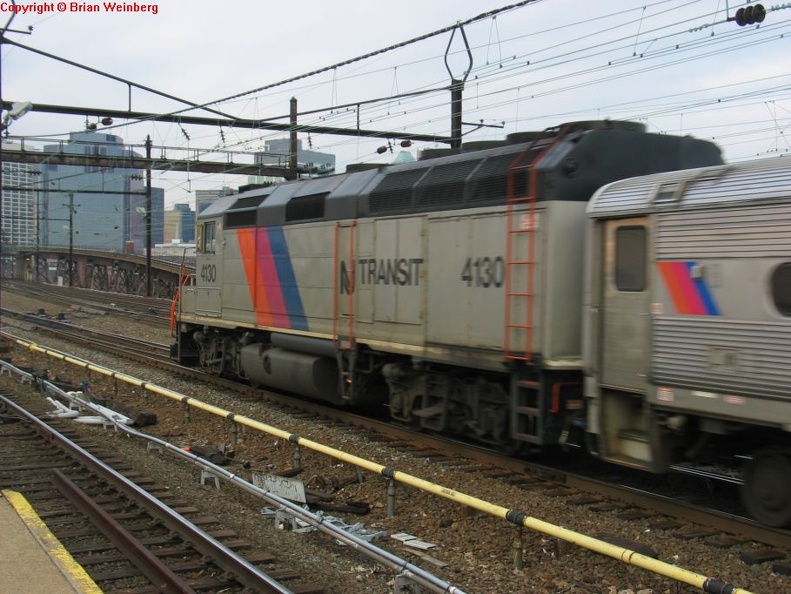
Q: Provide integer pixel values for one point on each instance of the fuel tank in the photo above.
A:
(309, 375)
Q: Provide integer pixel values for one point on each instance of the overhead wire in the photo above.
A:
(656, 52)
(450, 28)
(387, 49)
(488, 76)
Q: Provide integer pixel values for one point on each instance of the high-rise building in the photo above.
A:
(180, 224)
(21, 186)
(310, 162)
(204, 198)
(277, 151)
(97, 207)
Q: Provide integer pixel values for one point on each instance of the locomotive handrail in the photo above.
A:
(706, 584)
(184, 278)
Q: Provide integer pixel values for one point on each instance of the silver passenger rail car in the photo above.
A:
(688, 324)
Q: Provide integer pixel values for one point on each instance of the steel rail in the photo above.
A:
(423, 578)
(115, 342)
(148, 563)
(243, 571)
(704, 583)
(720, 520)
(707, 584)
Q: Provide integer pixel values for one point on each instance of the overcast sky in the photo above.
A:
(678, 66)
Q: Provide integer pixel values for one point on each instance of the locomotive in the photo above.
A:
(590, 280)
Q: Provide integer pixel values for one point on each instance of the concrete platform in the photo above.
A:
(32, 560)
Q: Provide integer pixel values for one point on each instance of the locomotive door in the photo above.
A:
(346, 285)
(208, 282)
(623, 337)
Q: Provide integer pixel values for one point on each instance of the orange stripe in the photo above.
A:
(246, 238)
(682, 291)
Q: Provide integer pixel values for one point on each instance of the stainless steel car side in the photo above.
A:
(688, 324)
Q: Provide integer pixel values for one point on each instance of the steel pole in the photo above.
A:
(71, 236)
(148, 217)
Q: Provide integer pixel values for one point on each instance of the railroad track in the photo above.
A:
(111, 342)
(149, 309)
(619, 495)
(683, 520)
(123, 535)
(604, 496)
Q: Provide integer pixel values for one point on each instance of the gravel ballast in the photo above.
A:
(472, 551)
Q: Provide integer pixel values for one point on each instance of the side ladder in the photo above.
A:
(527, 402)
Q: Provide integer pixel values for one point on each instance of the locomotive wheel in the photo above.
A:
(766, 492)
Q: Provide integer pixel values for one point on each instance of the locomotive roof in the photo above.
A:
(572, 168)
(762, 180)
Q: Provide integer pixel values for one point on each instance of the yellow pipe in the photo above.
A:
(622, 554)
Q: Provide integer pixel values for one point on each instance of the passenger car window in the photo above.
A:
(630, 258)
(781, 288)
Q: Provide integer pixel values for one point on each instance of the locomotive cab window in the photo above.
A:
(207, 241)
(630, 258)
(781, 288)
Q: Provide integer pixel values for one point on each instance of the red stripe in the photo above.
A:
(682, 291)
(271, 282)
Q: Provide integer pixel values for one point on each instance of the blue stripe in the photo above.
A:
(288, 281)
(703, 292)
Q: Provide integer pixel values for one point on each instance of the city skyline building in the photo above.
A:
(93, 207)
(204, 198)
(179, 224)
(19, 210)
(89, 207)
(277, 152)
